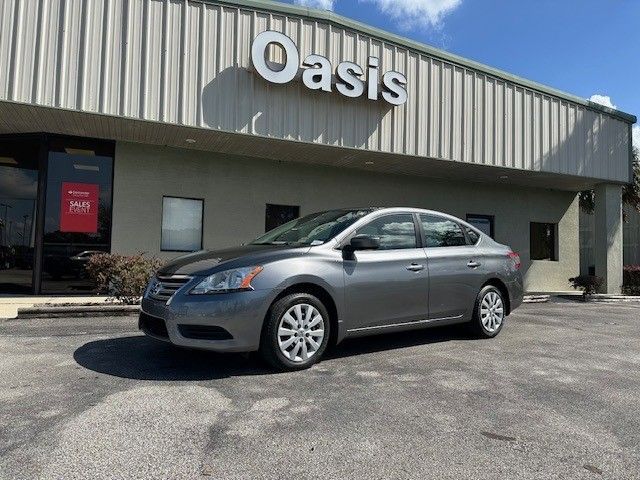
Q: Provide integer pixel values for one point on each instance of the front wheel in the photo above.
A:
(296, 332)
(489, 312)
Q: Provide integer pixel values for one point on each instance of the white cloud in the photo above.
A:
(416, 13)
(321, 4)
(602, 100)
(635, 132)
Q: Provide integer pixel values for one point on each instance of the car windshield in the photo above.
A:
(313, 229)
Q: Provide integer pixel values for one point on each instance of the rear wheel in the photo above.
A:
(296, 332)
(489, 312)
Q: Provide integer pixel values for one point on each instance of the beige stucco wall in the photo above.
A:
(236, 189)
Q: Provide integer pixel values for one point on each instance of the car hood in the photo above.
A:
(206, 262)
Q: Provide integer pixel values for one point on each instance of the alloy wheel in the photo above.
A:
(300, 332)
(491, 311)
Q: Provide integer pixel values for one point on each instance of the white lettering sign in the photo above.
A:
(318, 72)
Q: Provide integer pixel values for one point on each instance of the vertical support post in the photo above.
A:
(608, 236)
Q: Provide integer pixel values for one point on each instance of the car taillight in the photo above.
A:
(515, 258)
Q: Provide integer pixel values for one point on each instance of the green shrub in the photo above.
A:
(589, 284)
(123, 277)
(631, 280)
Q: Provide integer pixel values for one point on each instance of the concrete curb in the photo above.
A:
(77, 311)
(603, 298)
(536, 298)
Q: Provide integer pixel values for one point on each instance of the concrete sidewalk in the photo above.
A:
(9, 304)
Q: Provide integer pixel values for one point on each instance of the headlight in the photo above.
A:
(234, 280)
(153, 284)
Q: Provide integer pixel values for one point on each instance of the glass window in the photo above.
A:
(484, 223)
(314, 229)
(543, 241)
(18, 201)
(394, 231)
(77, 220)
(441, 232)
(181, 224)
(276, 215)
(472, 235)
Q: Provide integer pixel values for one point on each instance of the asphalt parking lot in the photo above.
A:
(556, 395)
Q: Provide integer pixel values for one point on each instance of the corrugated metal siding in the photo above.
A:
(187, 63)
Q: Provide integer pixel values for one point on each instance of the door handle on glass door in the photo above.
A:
(473, 264)
(415, 267)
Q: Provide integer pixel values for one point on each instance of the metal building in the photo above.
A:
(157, 114)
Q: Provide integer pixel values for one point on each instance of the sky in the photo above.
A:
(589, 48)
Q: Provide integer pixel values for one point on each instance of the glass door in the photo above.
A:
(18, 201)
(77, 220)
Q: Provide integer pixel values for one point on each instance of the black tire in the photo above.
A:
(269, 347)
(478, 328)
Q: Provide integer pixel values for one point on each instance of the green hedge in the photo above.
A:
(123, 277)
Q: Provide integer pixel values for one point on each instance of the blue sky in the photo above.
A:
(583, 47)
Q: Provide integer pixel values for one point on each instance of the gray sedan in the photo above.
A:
(341, 273)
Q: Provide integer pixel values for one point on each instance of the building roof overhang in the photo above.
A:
(20, 118)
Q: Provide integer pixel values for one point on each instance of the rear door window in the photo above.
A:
(441, 232)
(472, 235)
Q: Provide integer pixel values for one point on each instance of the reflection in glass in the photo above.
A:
(393, 231)
(314, 229)
(181, 224)
(441, 232)
(73, 180)
(18, 193)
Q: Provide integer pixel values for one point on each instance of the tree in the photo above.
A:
(630, 192)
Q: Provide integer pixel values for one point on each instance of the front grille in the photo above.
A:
(163, 288)
(204, 332)
(152, 325)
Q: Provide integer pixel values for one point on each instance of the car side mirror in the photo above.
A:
(363, 242)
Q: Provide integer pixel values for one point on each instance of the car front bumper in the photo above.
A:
(230, 322)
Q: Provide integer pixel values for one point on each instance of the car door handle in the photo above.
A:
(415, 267)
(473, 264)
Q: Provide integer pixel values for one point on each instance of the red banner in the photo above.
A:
(79, 207)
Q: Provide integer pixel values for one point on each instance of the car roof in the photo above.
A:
(413, 210)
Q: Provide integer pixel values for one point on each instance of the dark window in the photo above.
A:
(77, 220)
(441, 232)
(394, 231)
(18, 202)
(472, 235)
(182, 224)
(543, 241)
(276, 215)
(484, 223)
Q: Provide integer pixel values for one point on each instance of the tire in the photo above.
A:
(489, 312)
(296, 332)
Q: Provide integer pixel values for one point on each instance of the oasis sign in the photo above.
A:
(317, 73)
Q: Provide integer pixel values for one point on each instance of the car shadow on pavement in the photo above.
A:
(392, 341)
(142, 358)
